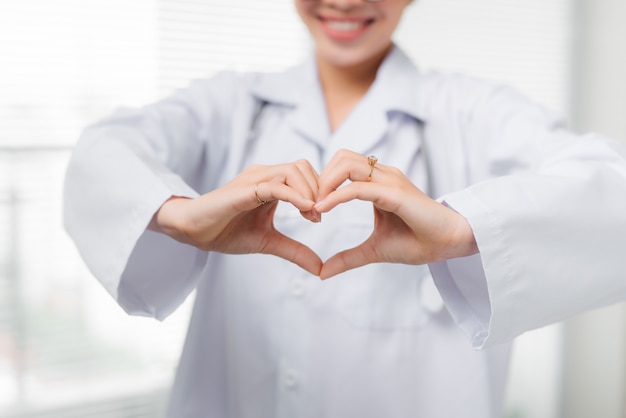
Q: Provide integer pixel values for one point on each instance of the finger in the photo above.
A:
(274, 190)
(299, 175)
(302, 177)
(377, 193)
(294, 251)
(311, 215)
(345, 165)
(336, 172)
(311, 176)
(348, 259)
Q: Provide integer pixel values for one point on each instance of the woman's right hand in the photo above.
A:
(234, 220)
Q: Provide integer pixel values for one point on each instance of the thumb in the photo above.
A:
(358, 256)
(294, 251)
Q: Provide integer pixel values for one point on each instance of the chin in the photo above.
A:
(350, 56)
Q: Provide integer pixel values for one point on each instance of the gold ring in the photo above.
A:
(371, 160)
(256, 193)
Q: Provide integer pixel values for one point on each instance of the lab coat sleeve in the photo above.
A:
(123, 169)
(547, 209)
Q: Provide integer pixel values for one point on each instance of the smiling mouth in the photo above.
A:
(345, 29)
(346, 25)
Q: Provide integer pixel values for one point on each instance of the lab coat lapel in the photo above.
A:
(362, 130)
(310, 118)
(395, 89)
(399, 86)
(300, 89)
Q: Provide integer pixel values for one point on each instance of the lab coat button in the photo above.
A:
(297, 290)
(290, 379)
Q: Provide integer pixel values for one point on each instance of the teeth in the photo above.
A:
(343, 26)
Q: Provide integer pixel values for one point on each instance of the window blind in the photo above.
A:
(198, 38)
(66, 349)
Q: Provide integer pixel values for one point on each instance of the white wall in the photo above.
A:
(595, 343)
(599, 65)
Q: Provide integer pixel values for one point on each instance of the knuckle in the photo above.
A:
(291, 170)
(343, 153)
(254, 168)
(302, 163)
(395, 171)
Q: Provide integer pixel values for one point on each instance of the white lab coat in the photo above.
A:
(269, 340)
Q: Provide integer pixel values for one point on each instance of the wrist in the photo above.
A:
(462, 242)
(169, 219)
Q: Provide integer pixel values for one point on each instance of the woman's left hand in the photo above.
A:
(409, 227)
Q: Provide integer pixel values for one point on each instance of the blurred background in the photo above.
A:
(67, 350)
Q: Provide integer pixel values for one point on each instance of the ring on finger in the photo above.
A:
(256, 194)
(371, 161)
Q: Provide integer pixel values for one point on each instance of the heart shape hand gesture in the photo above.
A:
(409, 227)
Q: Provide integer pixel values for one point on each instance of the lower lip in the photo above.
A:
(343, 36)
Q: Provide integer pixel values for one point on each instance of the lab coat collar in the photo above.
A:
(298, 88)
(398, 85)
(396, 89)
(286, 88)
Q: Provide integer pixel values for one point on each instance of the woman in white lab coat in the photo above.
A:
(519, 222)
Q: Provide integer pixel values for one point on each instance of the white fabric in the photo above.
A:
(267, 339)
